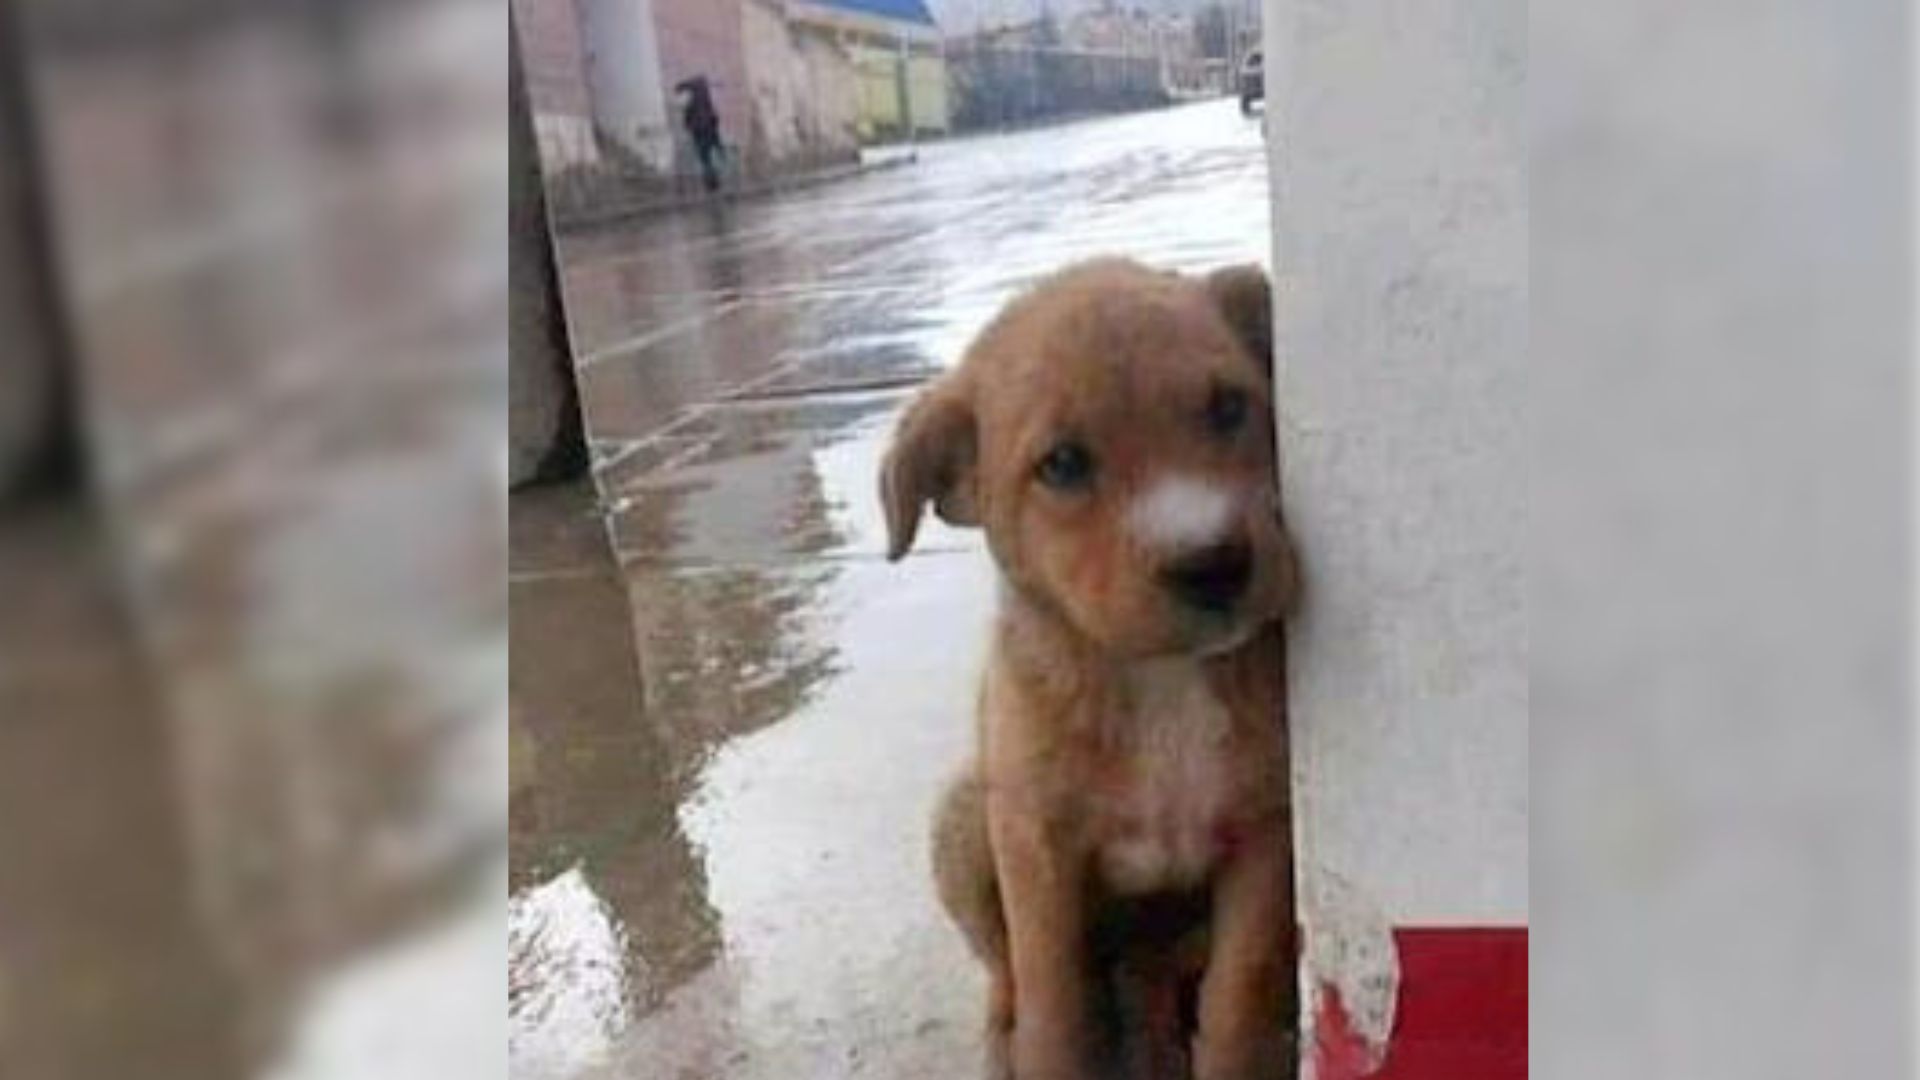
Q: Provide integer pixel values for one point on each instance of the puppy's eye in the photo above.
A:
(1226, 410)
(1067, 467)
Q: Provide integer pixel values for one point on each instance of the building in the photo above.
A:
(1122, 30)
(556, 81)
(601, 79)
(896, 50)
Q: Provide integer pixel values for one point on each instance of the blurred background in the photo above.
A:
(1721, 501)
(253, 635)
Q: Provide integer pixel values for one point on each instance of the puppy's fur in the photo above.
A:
(1117, 854)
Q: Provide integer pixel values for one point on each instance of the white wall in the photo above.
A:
(1399, 149)
(1399, 145)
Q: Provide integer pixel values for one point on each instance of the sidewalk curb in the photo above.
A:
(776, 186)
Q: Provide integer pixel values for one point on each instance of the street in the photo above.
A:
(728, 733)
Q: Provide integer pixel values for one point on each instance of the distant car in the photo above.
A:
(1253, 81)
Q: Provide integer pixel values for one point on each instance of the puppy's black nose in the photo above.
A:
(1211, 580)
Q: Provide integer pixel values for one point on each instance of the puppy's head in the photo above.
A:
(1112, 432)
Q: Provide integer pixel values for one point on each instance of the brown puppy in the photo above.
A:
(1118, 853)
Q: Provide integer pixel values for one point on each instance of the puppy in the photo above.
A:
(1117, 853)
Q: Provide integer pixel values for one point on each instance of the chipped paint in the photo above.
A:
(1350, 979)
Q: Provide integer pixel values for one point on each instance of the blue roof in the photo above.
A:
(914, 11)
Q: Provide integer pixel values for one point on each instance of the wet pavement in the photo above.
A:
(729, 726)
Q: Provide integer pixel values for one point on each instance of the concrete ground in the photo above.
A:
(729, 730)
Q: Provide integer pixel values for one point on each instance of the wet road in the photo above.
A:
(728, 731)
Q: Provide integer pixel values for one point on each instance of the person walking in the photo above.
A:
(702, 121)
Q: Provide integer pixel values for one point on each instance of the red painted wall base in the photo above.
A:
(1461, 1015)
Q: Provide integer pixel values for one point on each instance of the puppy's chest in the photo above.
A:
(1162, 804)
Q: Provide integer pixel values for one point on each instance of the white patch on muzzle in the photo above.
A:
(1181, 513)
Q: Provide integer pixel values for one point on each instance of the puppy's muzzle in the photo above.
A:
(1213, 579)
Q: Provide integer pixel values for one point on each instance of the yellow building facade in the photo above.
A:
(897, 60)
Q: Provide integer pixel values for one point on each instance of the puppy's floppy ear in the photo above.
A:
(1245, 298)
(933, 459)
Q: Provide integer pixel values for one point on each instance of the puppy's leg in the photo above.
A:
(963, 874)
(1247, 995)
(1043, 893)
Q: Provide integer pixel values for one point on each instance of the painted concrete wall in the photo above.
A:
(833, 88)
(601, 74)
(927, 92)
(1399, 147)
(543, 404)
(875, 46)
(622, 52)
(803, 91)
(702, 37)
(879, 75)
(557, 82)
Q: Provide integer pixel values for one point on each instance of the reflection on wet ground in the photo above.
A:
(103, 962)
(729, 725)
